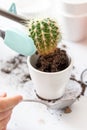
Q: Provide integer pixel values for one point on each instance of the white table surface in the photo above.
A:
(32, 116)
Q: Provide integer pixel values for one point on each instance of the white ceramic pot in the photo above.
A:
(49, 85)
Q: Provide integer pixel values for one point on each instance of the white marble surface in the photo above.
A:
(36, 116)
(33, 116)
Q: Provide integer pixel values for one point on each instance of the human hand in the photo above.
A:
(6, 106)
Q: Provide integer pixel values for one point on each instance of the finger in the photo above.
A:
(5, 114)
(9, 102)
(3, 95)
(4, 122)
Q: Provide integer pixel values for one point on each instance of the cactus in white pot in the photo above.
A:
(46, 67)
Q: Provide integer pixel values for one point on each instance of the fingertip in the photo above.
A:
(11, 102)
(19, 97)
(3, 94)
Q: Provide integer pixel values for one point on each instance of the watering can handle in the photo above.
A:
(12, 16)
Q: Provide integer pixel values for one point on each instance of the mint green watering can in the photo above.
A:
(15, 39)
(18, 41)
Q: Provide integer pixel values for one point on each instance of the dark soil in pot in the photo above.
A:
(53, 62)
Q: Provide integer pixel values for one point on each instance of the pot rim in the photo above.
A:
(51, 73)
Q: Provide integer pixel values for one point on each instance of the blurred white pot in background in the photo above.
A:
(73, 19)
(33, 8)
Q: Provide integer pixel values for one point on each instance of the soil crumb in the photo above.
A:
(64, 46)
(67, 110)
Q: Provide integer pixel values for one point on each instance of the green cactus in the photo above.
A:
(45, 34)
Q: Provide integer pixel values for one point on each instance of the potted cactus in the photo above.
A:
(50, 67)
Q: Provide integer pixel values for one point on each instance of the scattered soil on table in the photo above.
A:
(53, 62)
(12, 64)
(19, 61)
(18, 66)
(83, 86)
